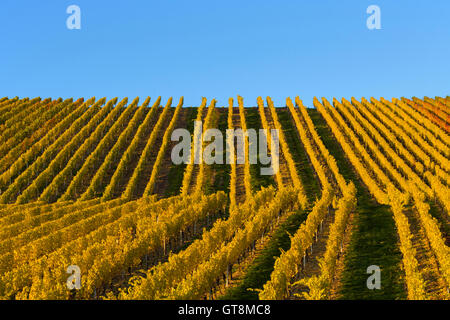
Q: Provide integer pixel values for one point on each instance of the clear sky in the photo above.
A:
(219, 49)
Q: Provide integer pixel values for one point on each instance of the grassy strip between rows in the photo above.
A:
(302, 163)
(253, 121)
(221, 171)
(177, 170)
(374, 237)
(439, 214)
(261, 268)
(258, 273)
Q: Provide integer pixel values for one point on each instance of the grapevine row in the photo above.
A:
(416, 148)
(162, 150)
(125, 249)
(247, 176)
(44, 159)
(286, 152)
(96, 158)
(331, 162)
(42, 145)
(59, 184)
(190, 166)
(363, 172)
(376, 151)
(274, 155)
(209, 123)
(199, 282)
(39, 132)
(131, 189)
(35, 121)
(231, 148)
(59, 162)
(160, 279)
(121, 153)
(422, 119)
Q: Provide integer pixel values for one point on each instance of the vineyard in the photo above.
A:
(91, 183)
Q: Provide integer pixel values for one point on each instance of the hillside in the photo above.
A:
(92, 183)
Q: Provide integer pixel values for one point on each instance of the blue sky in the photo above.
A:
(219, 49)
